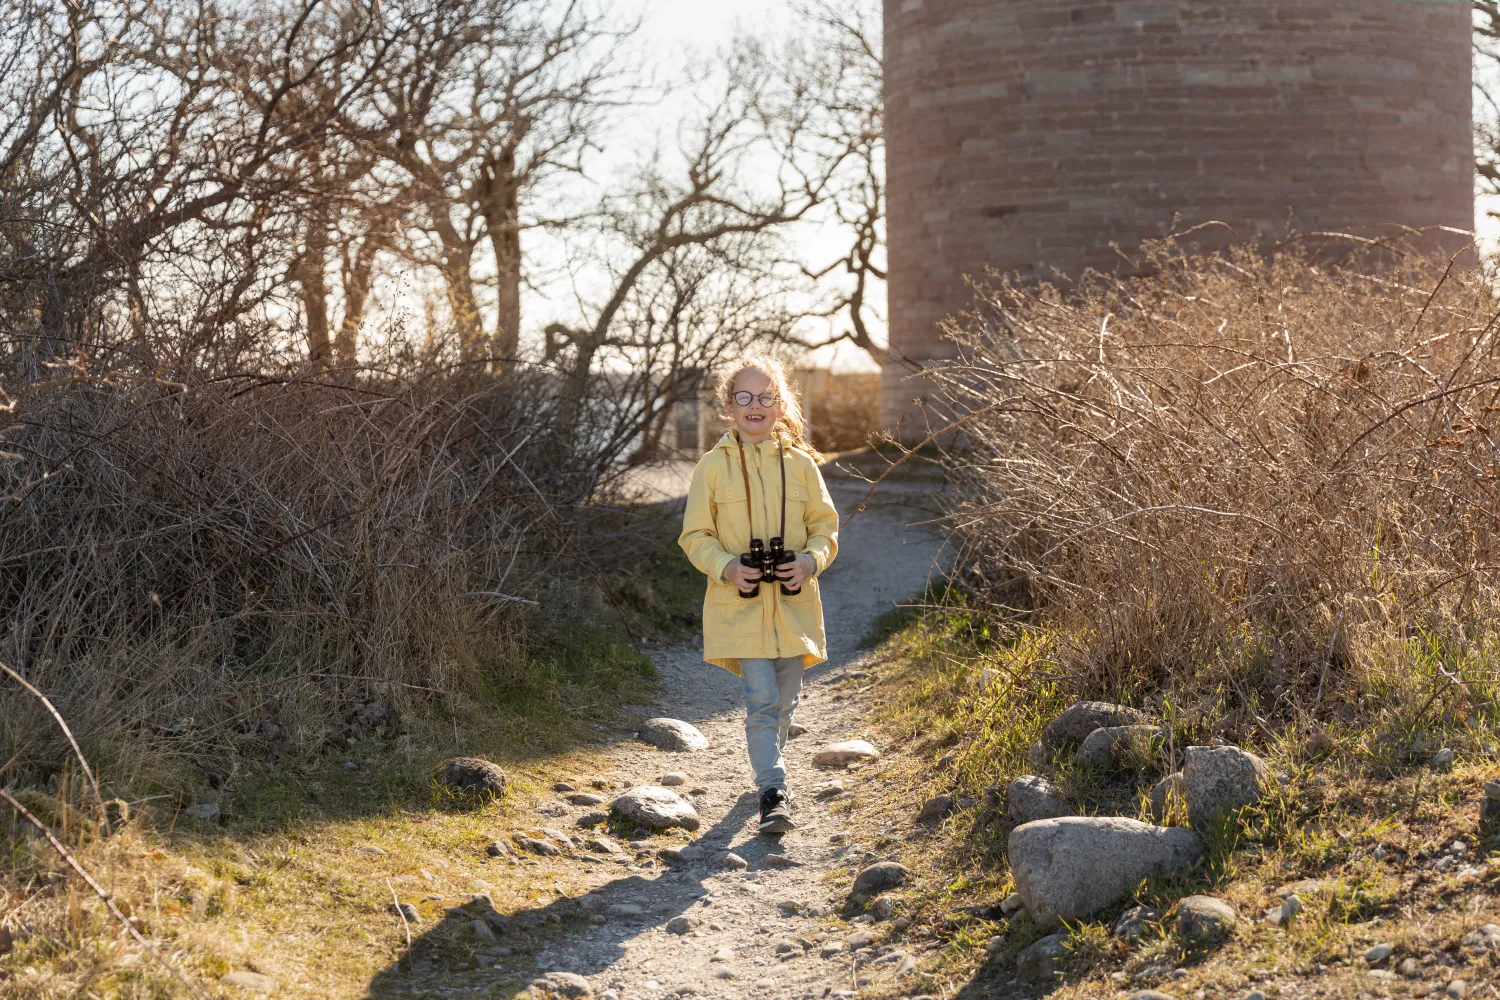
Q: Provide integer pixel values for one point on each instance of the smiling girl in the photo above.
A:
(758, 486)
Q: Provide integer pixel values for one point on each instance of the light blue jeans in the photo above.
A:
(772, 690)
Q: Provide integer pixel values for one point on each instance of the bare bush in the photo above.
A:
(1281, 463)
(170, 555)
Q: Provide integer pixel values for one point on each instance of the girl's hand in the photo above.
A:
(795, 573)
(742, 576)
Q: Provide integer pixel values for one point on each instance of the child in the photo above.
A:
(761, 481)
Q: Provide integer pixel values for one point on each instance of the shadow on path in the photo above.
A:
(474, 948)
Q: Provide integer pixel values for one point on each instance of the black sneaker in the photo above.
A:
(775, 817)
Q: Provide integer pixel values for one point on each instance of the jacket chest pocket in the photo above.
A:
(730, 517)
(796, 516)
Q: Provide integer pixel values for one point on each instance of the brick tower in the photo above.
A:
(1029, 134)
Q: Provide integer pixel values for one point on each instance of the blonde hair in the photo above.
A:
(791, 424)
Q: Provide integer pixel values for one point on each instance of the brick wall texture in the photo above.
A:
(1028, 134)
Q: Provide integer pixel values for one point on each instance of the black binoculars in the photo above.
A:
(767, 561)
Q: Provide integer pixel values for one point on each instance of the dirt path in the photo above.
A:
(769, 929)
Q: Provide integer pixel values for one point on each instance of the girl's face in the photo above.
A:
(754, 419)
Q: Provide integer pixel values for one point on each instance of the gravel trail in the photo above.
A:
(759, 924)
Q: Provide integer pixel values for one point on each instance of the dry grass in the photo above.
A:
(176, 562)
(1265, 477)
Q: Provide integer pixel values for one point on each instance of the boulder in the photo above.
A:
(1042, 960)
(655, 808)
(672, 734)
(1074, 866)
(1221, 779)
(1168, 795)
(1081, 718)
(1204, 919)
(845, 753)
(473, 778)
(1033, 798)
(878, 878)
(1114, 748)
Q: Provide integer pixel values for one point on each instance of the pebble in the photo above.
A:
(595, 818)
(1378, 953)
(786, 946)
(563, 786)
(734, 862)
(1443, 759)
(723, 973)
(828, 790)
(1492, 790)
(1255, 995)
(586, 799)
(1456, 989)
(408, 911)
(781, 861)
(723, 955)
(497, 849)
(369, 850)
(680, 925)
(832, 948)
(673, 778)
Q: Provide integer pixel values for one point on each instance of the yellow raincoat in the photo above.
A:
(716, 531)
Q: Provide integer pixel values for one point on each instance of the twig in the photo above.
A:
(400, 913)
(66, 731)
(98, 891)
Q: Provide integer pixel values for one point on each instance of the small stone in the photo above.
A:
(482, 931)
(1443, 759)
(734, 862)
(882, 908)
(1301, 887)
(1012, 904)
(567, 984)
(858, 940)
(1378, 953)
(603, 845)
(563, 786)
(831, 948)
(349, 765)
(1279, 916)
(1131, 924)
(599, 784)
(1380, 853)
(497, 849)
(1042, 960)
(681, 925)
(408, 911)
(586, 799)
(1114, 748)
(1204, 919)
(1167, 794)
(1489, 817)
(370, 850)
(846, 753)
(673, 735)
(1038, 755)
(723, 955)
(1380, 974)
(1221, 779)
(656, 808)
(1033, 798)
(935, 809)
(1082, 718)
(596, 818)
(207, 811)
(1408, 967)
(1486, 938)
(781, 861)
(786, 946)
(723, 973)
(253, 981)
(877, 879)
(795, 730)
(672, 779)
(473, 778)
(1456, 989)
(623, 910)
(1492, 790)
(907, 966)
(900, 924)
(828, 790)
(684, 854)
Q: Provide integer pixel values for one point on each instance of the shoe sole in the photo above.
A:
(777, 824)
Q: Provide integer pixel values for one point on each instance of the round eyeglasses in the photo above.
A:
(767, 399)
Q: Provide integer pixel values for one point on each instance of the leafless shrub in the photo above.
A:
(1284, 463)
(170, 554)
